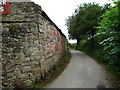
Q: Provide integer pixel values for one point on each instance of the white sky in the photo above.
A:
(59, 10)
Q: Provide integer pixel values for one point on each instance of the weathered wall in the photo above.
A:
(31, 44)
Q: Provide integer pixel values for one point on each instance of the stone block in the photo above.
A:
(37, 72)
(5, 33)
(35, 32)
(42, 36)
(10, 75)
(5, 39)
(27, 69)
(20, 56)
(14, 44)
(17, 50)
(26, 60)
(28, 82)
(23, 77)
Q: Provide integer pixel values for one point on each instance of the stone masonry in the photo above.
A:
(31, 44)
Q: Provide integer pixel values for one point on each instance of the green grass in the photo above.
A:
(71, 49)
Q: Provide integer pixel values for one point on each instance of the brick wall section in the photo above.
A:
(31, 44)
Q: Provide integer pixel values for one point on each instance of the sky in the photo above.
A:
(59, 10)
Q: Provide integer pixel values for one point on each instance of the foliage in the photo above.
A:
(72, 46)
(81, 24)
(33, 86)
(108, 37)
(30, 85)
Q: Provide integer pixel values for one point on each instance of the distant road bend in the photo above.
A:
(82, 72)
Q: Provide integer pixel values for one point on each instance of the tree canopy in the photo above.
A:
(84, 20)
(108, 34)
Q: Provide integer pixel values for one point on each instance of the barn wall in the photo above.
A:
(31, 44)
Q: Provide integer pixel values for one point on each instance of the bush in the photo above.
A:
(108, 37)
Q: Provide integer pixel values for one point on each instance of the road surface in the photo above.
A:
(82, 72)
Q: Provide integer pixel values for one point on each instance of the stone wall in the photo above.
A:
(31, 44)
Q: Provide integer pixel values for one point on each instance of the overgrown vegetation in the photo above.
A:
(108, 37)
(81, 24)
(98, 30)
(72, 46)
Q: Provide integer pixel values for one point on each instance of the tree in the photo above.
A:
(81, 25)
(108, 35)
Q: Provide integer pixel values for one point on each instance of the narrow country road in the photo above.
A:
(82, 72)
